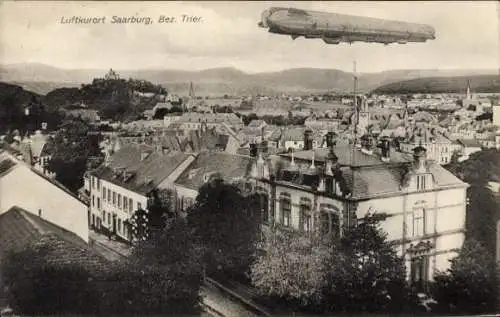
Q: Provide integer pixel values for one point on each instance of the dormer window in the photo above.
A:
(421, 182)
(192, 173)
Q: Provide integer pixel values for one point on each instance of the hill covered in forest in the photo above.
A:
(451, 84)
(114, 98)
(24, 110)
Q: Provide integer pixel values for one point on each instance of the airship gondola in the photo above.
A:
(335, 28)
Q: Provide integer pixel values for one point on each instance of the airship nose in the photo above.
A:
(264, 19)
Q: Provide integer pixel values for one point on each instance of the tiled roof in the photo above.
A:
(141, 175)
(229, 166)
(194, 117)
(256, 123)
(20, 228)
(348, 157)
(293, 134)
(6, 164)
(469, 143)
(374, 180)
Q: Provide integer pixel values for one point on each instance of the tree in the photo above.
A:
(71, 147)
(482, 207)
(146, 223)
(172, 254)
(292, 266)
(367, 274)
(469, 285)
(226, 226)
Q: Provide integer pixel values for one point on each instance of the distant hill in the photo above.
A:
(42, 88)
(220, 81)
(456, 84)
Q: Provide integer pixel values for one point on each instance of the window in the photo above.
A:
(421, 182)
(93, 181)
(119, 201)
(329, 220)
(139, 206)
(418, 222)
(109, 219)
(419, 272)
(125, 203)
(286, 209)
(98, 184)
(119, 225)
(103, 215)
(305, 215)
(104, 193)
(130, 205)
(263, 201)
(114, 198)
(109, 195)
(93, 201)
(98, 203)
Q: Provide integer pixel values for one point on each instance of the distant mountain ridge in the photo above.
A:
(42, 78)
(449, 84)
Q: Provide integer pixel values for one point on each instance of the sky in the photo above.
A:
(468, 36)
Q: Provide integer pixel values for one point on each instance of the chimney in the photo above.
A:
(40, 213)
(419, 157)
(308, 140)
(253, 150)
(331, 163)
(330, 142)
(386, 150)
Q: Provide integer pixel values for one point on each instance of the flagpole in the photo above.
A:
(356, 118)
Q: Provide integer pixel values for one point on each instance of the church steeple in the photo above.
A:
(468, 96)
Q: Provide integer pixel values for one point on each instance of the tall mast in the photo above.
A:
(353, 150)
(355, 98)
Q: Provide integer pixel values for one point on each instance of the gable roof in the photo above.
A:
(229, 166)
(367, 176)
(469, 143)
(126, 169)
(20, 228)
(349, 157)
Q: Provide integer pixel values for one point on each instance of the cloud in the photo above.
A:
(467, 36)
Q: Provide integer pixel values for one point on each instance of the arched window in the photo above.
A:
(285, 209)
(329, 220)
(418, 221)
(305, 217)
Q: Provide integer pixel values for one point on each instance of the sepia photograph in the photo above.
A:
(249, 158)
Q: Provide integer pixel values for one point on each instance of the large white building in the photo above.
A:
(24, 187)
(124, 183)
(424, 205)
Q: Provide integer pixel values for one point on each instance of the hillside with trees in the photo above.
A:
(24, 110)
(479, 84)
(113, 97)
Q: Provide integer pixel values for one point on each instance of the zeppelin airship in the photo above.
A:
(335, 28)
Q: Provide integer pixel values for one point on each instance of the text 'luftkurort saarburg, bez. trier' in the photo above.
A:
(135, 19)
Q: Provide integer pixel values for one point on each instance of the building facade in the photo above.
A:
(24, 187)
(125, 183)
(423, 204)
